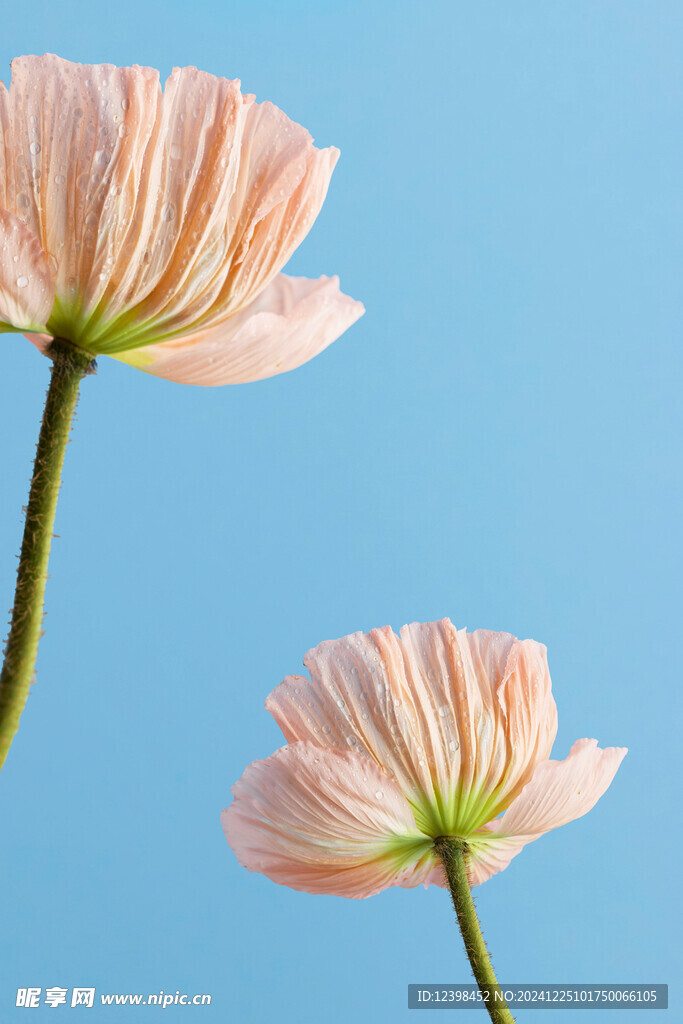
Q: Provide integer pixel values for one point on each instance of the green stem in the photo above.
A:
(69, 366)
(453, 853)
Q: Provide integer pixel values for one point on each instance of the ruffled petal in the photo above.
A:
(290, 322)
(353, 702)
(324, 822)
(284, 185)
(560, 791)
(489, 856)
(74, 161)
(177, 253)
(163, 216)
(273, 183)
(438, 708)
(27, 288)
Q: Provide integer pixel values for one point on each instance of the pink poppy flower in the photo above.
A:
(153, 227)
(396, 741)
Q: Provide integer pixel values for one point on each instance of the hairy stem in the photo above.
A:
(69, 366)
(453, 853)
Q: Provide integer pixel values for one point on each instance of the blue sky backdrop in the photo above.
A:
(498, 440)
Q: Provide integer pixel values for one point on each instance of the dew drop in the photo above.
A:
(125, 104)
(102, 156)
(176, 151)
(91, 219)
(35, 148)
(379, 794)
(123, 130)
(326, 729)
(59, 179)
(82, 182)
(22, 282)
(168, 212)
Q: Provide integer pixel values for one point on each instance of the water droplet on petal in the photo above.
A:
(168, 212)
(123, 130)
(59, 179)
(379, 794)
(176, 151)
(22, 282)
(35, 148)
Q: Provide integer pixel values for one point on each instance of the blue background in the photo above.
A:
(497, 441)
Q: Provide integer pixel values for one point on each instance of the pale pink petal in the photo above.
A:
(177, 253)
(162, 216)
(278, 181)
(353, 702)
(27, 288)
(227, 197)
(518, 675)
(290, 322)
(437, 708)
(485, 711)
(283, 214)
(6, 161)
(489, 856)
(74, 168)
(560, 791)
(324, 822)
